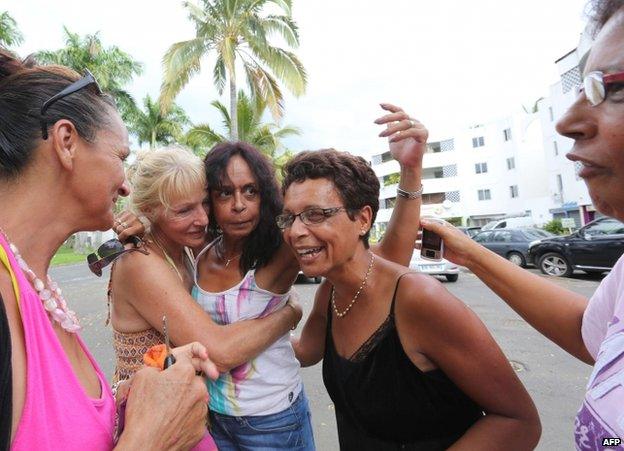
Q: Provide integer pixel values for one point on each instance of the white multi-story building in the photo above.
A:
(512, 167)
(485, 172)
(568, 192)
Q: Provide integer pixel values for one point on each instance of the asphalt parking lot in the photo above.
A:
(554, 379)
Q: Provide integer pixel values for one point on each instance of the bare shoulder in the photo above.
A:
(423, 300)
(134, 263)
(134, 269)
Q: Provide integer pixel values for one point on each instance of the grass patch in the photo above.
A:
(66, 256)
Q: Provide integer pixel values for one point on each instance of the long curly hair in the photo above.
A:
(266, 238)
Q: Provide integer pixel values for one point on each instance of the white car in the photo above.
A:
(433, 268)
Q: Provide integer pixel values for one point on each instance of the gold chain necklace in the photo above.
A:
(220, 253)
(357, 294)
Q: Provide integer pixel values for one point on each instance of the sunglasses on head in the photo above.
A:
(108, 252)
(87, 80)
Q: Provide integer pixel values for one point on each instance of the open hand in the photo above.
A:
(407, 137)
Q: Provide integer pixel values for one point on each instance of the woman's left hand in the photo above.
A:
(128, 224)
(407, 136)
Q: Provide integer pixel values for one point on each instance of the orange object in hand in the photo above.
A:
(155, 356)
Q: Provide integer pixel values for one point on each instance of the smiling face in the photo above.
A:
(322, 247)
(184, 222)
(99, 173)
(597, 130)
(236, 203)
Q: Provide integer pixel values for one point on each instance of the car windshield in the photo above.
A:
(536, 234)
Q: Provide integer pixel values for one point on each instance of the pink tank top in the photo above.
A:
(57, 413)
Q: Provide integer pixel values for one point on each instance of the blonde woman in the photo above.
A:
(169, 189)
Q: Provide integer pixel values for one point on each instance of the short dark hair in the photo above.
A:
(24, 87)
(352, 176)
(266, 238)
(600, 11)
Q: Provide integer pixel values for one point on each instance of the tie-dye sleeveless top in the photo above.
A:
(600, 421)
(267, 384)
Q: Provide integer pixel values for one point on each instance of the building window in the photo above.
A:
(376, 159)
(389, 203)
(433, 198)
(434, 147)
(556, 148)
(513, 191)
(511, 163)
(478, 141)
(386, 156)
(559, 183)
(481, 168)
(507, 134)
(484, 194)
(391, 179)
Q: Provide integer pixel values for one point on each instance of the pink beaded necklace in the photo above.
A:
(51, 296)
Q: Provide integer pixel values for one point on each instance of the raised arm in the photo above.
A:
(432, 322)
(554, 311)
(154, 290)
(310, 346)
(408, 143)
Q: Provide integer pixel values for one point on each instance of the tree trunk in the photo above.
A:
(153, 140)
(233, 108)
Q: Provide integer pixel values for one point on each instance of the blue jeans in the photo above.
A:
(288, 429)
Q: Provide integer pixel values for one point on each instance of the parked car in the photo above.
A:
(442, 268)
(593, 249)
(470, 231)
(510, 223)
(513, 244)
(301, 277)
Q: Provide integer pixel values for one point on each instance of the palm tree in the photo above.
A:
(112, 67)
(236, 31)
(9, 33)
(152, 126)
(267, 137)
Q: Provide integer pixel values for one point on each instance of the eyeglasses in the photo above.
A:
(310, 216)
(108, 252)
(85, 81)
(596, 86)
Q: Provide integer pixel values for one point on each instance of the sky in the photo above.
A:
(449, 63)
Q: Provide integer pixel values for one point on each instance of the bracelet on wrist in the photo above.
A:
(410, 194)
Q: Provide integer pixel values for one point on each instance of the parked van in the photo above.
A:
(510, 223)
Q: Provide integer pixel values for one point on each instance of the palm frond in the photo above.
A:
(182, 60)
(284, 26)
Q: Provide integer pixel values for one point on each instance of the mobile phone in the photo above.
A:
(432, 247)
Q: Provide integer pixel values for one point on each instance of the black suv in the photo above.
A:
(593, 249)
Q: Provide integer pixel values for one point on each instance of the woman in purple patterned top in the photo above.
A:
(591, 330)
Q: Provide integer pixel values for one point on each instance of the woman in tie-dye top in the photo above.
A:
(591, 330)
(247, 272)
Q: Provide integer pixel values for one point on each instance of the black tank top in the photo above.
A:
(383, 401)
(6, 377)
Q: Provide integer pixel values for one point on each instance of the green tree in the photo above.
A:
(112, 67)
(238, 31)
(9, 33)
(554, 226)
(266, 137)
(150, 125)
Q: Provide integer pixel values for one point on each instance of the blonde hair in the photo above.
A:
(161, 176)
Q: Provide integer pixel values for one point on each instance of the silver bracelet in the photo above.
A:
(410, 194)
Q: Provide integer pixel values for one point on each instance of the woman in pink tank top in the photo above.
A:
(61, 172)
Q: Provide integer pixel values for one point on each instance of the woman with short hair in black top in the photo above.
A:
(407, 364)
